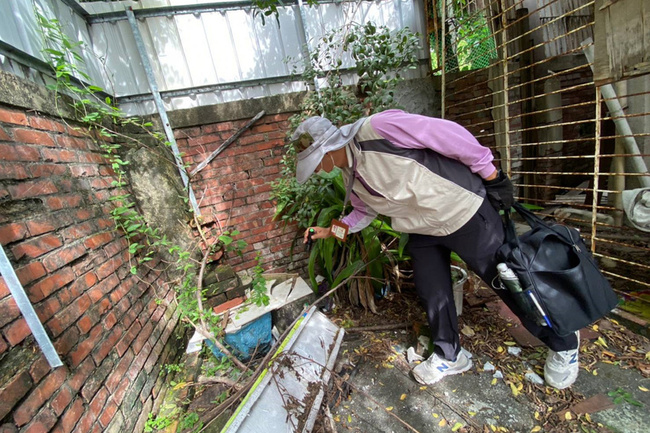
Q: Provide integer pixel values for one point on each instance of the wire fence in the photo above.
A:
(519, 75)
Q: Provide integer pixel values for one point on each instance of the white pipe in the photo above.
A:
(623, 127)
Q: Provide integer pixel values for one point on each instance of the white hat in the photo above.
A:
(327, 138)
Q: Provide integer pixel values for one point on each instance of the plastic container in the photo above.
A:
(458, 278)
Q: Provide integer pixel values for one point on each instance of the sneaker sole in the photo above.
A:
(450, 373)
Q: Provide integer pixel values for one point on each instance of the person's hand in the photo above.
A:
(319, 233)
(500, 192)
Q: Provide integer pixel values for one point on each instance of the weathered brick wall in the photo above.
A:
(234, 190)
(105, 323)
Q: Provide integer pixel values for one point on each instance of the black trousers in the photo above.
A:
(476, 243)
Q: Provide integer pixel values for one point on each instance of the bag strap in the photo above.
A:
(531, 219)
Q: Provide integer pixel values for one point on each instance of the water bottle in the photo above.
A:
(508, 278)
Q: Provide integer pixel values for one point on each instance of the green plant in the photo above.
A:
(155, 423)
(258, 294)
(620, 395)
(191, 422)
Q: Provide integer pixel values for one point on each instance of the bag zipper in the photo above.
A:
(575, 246)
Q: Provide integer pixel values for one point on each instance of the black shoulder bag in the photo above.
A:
(555, 266)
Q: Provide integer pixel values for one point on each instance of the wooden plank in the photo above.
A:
(227, 143)
(622, 40)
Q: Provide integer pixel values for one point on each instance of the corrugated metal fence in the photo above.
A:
(201, 53)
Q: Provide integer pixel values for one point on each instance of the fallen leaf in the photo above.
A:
(568, 416)
(601, 342)
(499, 349)
(494, 381)
(535, 429)
(467, 331)
(644, 389)
(509, 343)
(493, 427)
(595, 372)
(595, 327)
(471, 413)
(422, 388)
(349, 419)
(402, 397)
(442, 423)
(337, 418)
(435, 415)
(457, 426)
(588, 417)
(537, 416)
(389, 408)
(514, 389)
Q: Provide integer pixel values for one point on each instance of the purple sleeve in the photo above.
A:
(413, 131)
(360, 217)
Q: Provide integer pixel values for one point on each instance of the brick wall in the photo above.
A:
(105, 324)
(234, 189)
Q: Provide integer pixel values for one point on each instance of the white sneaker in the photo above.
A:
(435, 368)
(561, 368)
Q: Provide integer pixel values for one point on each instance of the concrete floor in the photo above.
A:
(385, 398)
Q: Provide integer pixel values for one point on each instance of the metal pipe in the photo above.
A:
(161, 107)
(27, 310)
(618, 115)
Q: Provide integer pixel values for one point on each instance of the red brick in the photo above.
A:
(14, 172)
(39, 396)
(71, 416)
(39, 369)
(59, 155)
(9, 310)
(36, 247)
(32, 189)
(80, 285)
(8, 428)
(85, 324)
(84, 347)
(12, 232)
(61, 400)
(81, 374)
(66, 341)
(3, 135)
(46, 124)
(67, 142)
(15, 117)
(63, 256)
(63, 202)
(119, 371)
(98, 240)
(38, 227)
(29, 136)
(109, 412)
(110, 320)
(16, 332)
(104, 348)
(13, 391)
(50, 284)
(84, 170)
(103, 288)
(30, 272)
(18, 152)
(47, 170)
(125, 342)
(3, 345)
(69, 315)
(48, 308)
(43, 422)
(97, 403)
(78, 231)
(85, 423)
